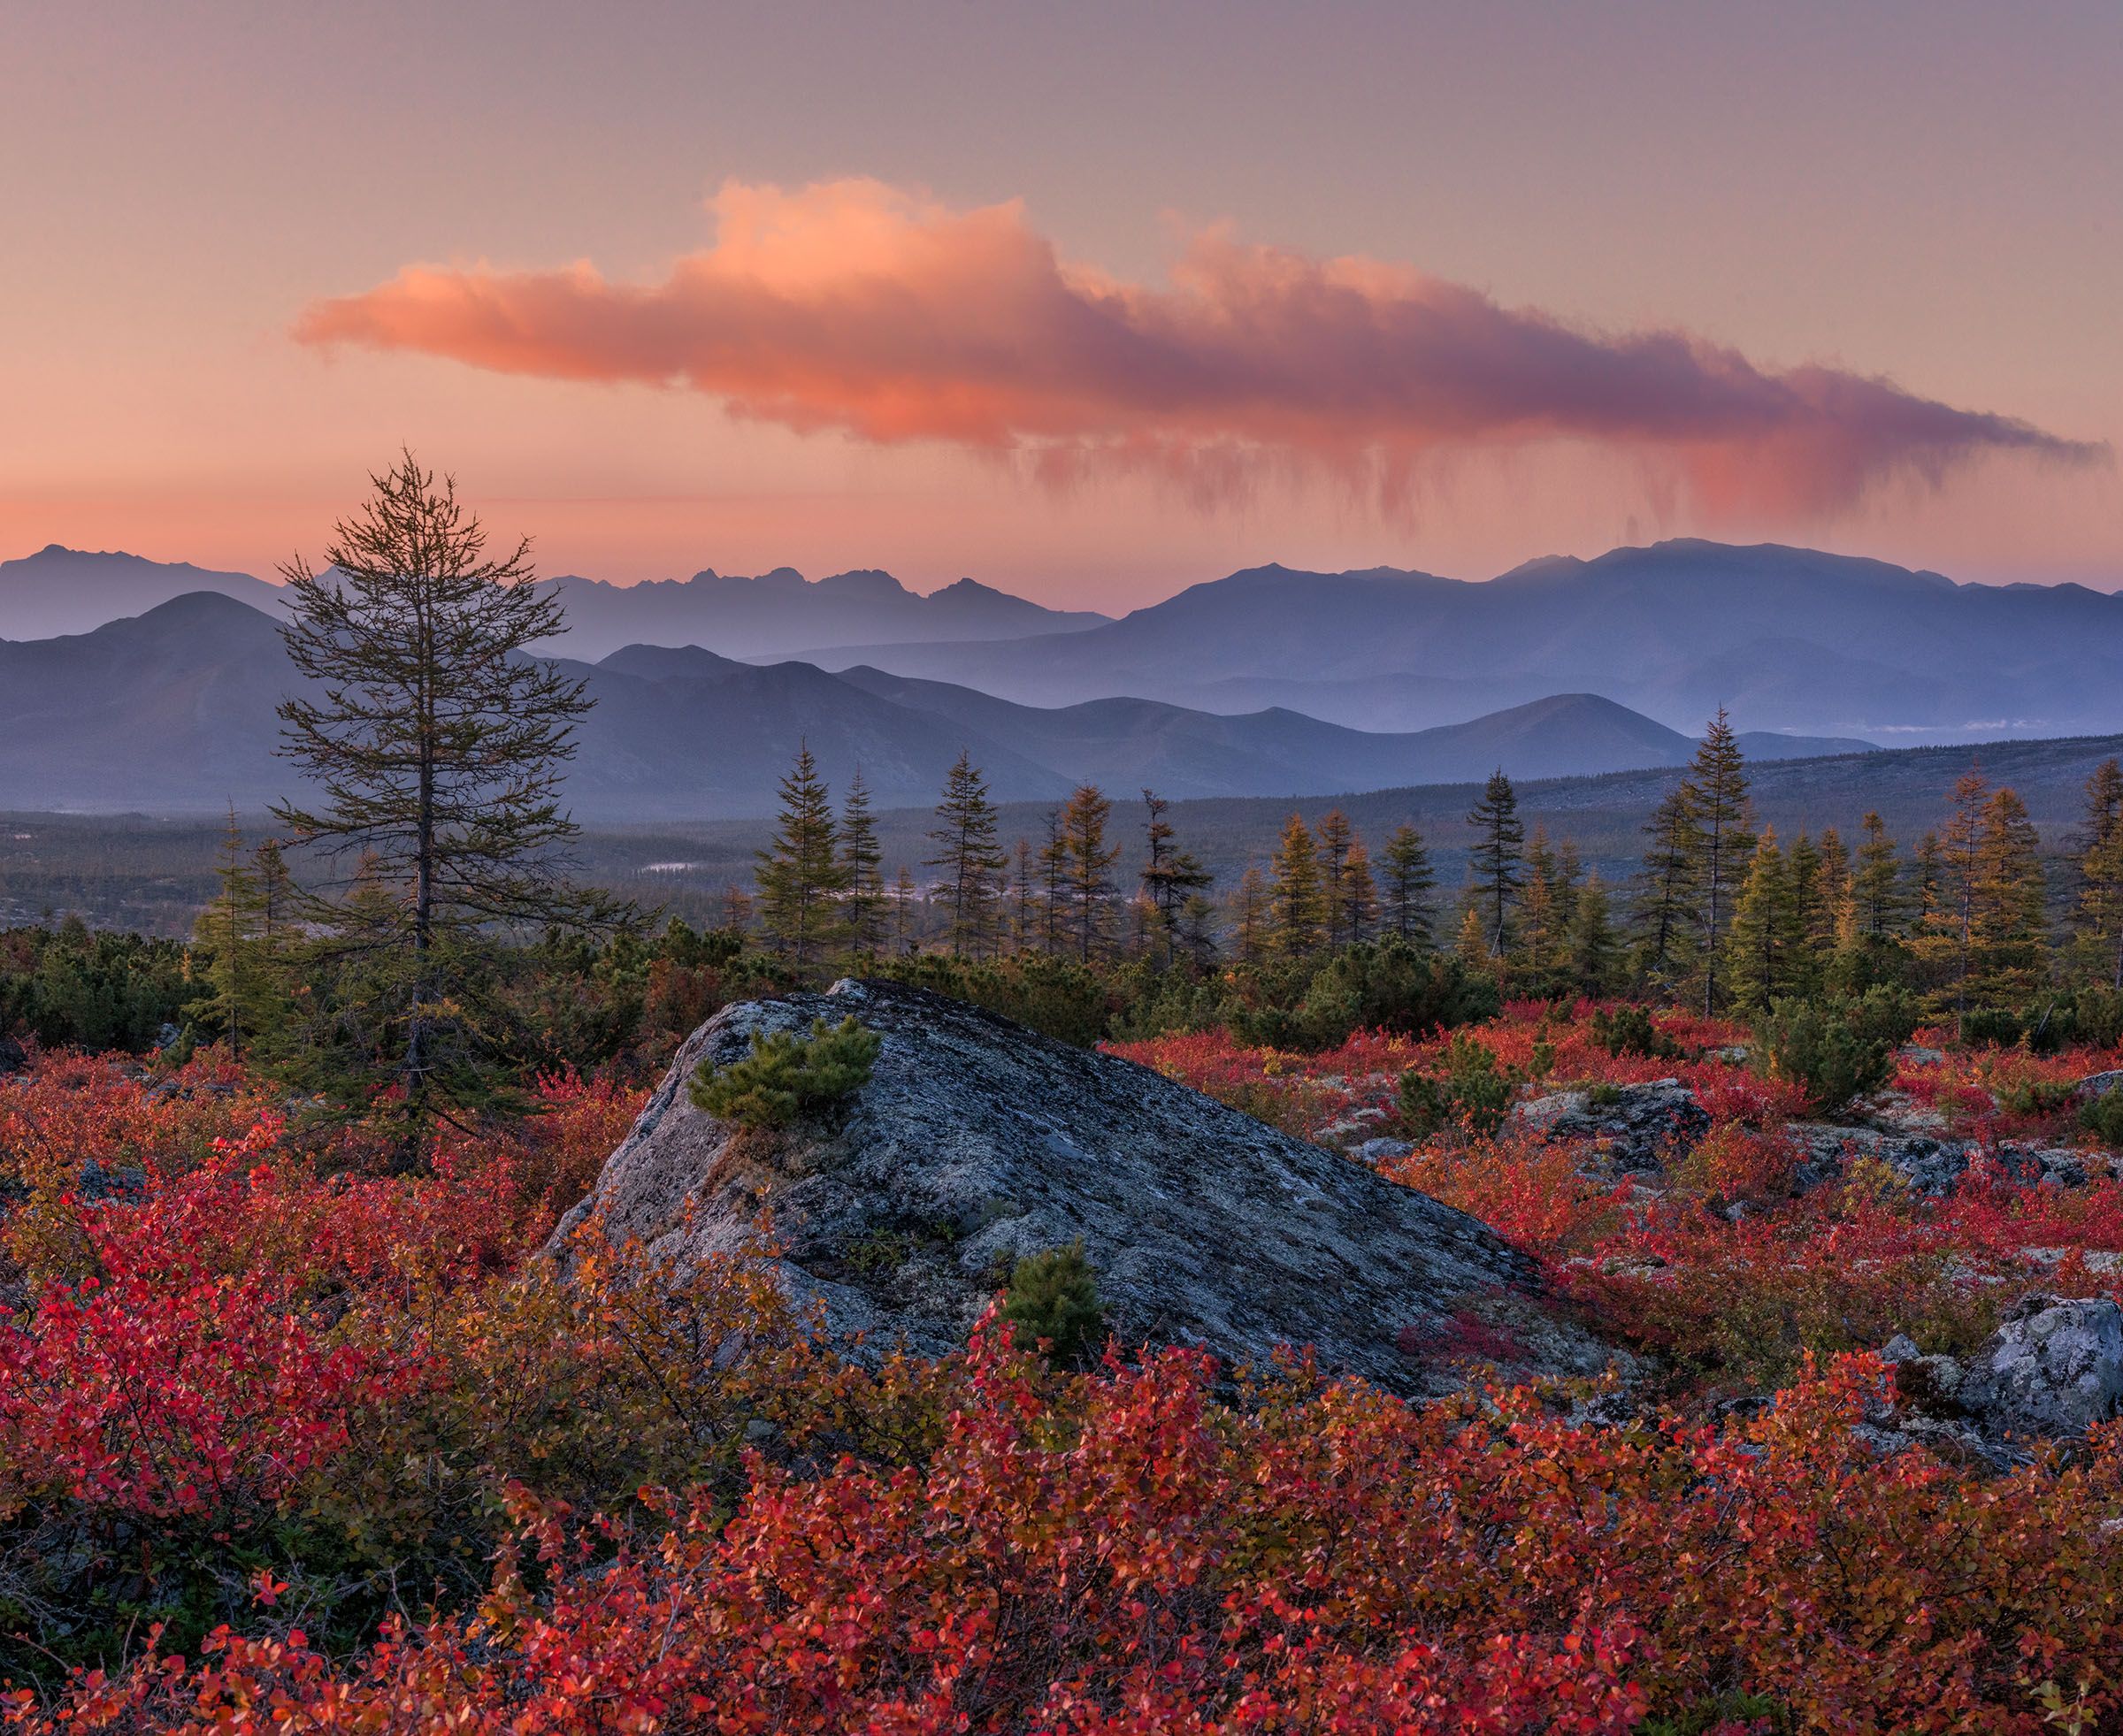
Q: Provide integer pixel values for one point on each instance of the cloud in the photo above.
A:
(856, 307)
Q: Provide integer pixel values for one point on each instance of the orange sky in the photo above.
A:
(1090, 303)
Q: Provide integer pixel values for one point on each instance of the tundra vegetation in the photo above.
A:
(300, 1430)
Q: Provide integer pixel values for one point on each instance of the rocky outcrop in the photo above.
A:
(1638, 1129)
(976, 1141)
(2052, 1370)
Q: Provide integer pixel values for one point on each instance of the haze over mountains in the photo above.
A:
(1789, 639)
(172, 712)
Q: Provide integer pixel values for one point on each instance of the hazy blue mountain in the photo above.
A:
(1788, 638)
(60, 590)
(782, 614)
(171, 711)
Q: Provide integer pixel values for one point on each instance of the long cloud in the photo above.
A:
(855, 306)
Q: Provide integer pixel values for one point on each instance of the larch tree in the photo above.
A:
(1248, 910)
(1665, 903)
(1087, 868)
(800, 875)
(1171, 876)
(2100, 861)
(1407, 883)
(1945, 942)
(236, 955)
(2012, 905)
(1497, 857)
(1594, 947)
(1763, 933)
(862, 869)
(1717, 800)
(1336, 838)
(438, 741)
(1359, 893)
(969, 862)
(1297, 903)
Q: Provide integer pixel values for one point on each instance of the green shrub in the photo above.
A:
(786, 1075)
(2103, 1117)
(1990, 1027)
(1054, 1297)
(1629, 1031)
(1387, 985)
(2097, 1018)
(1883, 1013)
(1473, 1090)
(1826, 1047)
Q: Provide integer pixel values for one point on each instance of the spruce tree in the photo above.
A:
(1878, 902)
(1359, 893)
(1087, 868)
(1764, 932)
(971, 862)
(231, 956)
(800, 875)
(1717, 800)
(1409, 880)
(1296, 902)
(439, 743)
(862, 870)
(1813, 924)
(1498, 851)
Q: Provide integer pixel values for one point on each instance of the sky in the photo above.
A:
(1089, 302)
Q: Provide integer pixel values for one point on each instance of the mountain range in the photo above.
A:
(172, 712)
(1788, 638)
(1791, 639)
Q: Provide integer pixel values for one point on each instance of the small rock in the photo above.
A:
(1900, 1348)
(2096, 1085)
(1915, 1054)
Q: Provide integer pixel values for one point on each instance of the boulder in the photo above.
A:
(2096, 1085)
(1931, 1165)
(976, 1141)
(2053, 1369)
(1642, 1127)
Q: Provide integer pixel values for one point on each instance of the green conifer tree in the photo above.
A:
(1717, 800)
(1296, 900)
(800, 875)
(861, 869)
(970, 863)
(1409, 881)
(1497, 856)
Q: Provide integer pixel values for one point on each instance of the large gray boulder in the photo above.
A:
(2053, 1369)
(976, 1141)
(1639, 1128)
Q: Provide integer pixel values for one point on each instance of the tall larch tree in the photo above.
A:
(1333, 838)
(970, 863)
(1717, 798)
(862, 869)
(1763, 938)
(1087, 869)
(800, 875)
(1408, 883)
(1171, 876)
(1813, 925)
(1250, 912)
(438, 742)
(1359, 893)
(1951, 867)
(1664, 907)
(2012, 907)
(1497, 857)
(1296, 902)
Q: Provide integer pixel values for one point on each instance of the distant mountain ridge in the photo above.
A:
(172, 712)
(59, 590)
(1788, 638)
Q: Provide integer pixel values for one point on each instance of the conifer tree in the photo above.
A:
(439, 743)
(1170, 875)
(1296, 900)
(1544, 916)
(1087, 868)
(1334, 837)
(1023, 897)
(862, 870)
(2011, 905)
(1812, 927)
(1197, 930)
(1945, 942)
(1717, 800)
(1409, 880)
(1877, 898)
(231, 954)
(1472, 940)
(1835, 913)
(1250, 916)
(1765, 931)
(1498, 851)
(1666, 892)
(737, 909)
(1595, 949)
(1359, 893)
(971, 861)
(801, 875)
(2100, 846)
(1053, 875)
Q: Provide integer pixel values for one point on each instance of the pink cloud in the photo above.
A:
(855, 307)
